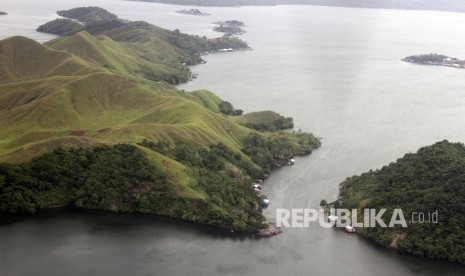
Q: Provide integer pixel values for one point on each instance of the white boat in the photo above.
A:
(349, 229)
(265, 202)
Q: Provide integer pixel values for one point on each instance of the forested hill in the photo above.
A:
(431, 180)
(439, 5)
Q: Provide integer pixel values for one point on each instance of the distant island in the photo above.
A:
(435, 59)
(229, 30)
(3, 13)
(193, 12)
(230, 23)
(230, 27)
(434, 5)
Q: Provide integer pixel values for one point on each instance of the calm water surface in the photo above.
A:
(337, 71)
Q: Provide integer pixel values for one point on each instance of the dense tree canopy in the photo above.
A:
(433, 179)
(115, 178)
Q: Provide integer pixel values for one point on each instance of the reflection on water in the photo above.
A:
(77, 242)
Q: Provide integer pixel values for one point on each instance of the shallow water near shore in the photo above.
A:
(337, 71)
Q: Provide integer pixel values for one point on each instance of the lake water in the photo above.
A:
(337, 71)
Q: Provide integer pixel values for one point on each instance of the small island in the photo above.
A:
(193, 12)
(436, 60)
(3, 13)
(230, 27)
(230, 23)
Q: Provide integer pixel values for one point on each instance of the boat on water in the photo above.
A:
(265, 203)
(349, 229)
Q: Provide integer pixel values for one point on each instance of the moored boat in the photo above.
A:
(349, 229)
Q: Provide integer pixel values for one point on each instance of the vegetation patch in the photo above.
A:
(427, 181)
(229, 29)
(87, 14)
(266, 121)
(59, 26)
(89, 120)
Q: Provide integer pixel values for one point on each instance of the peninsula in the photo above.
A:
(189, 48)
(111, 133)
(435, 59)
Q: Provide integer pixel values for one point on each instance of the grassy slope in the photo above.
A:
(72, 101)
(127, 58)
(258, 117)
(207, 99)
(81, 93)
(84, 90)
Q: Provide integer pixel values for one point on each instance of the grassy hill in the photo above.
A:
(265, 121)
(65, 92)
(123, 57)
(135, 47)
(68, 106)
(429, 181)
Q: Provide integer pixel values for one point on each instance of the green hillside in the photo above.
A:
(82, 102)
(207, 99)
(122, 57)
(429, 181)
(134, 47)
(67, 93)
(59, 26)
(266, 121)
